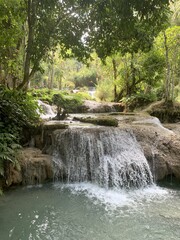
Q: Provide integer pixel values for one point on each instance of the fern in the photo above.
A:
(8, 150)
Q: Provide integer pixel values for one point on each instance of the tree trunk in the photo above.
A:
(31, 11)
(60, 83)
(14, 81)
(115, 78)
(133, 75)
(1, 74)
(52, 73)
(52, 77)
(168, 71)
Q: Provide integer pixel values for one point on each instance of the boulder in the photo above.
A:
(161, 148)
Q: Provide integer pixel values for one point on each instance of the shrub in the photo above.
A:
(17, 110)
(44, 94)
(8, 150)
(69, 103)
(104, 90)
(138, 100)
(83, 95)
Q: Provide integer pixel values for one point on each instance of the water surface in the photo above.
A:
(87, 212)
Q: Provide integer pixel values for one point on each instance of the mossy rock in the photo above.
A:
(102, 121)
(166, 112)
(53, 125)
(123, 113)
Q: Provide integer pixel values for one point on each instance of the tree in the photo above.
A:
(126, 26)
(12, 17)
(139, 76)
(175, 16)
(118, 26)
(49, 22)
(108, 26)
(44, 25)
(168, 45)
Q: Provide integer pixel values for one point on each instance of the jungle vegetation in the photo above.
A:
(127, 51)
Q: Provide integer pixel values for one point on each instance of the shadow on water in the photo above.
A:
(170, 182)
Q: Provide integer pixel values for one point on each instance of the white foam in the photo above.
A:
(112, 199)
(47, 109)
(153, 120)
(106, 156)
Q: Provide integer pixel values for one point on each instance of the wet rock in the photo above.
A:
(167, 112)
(47, 130)
(162, 150)
(102, 121)
(13, 175)
(34, 168)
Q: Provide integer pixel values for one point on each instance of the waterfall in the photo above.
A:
(110, 157)
(47, 110)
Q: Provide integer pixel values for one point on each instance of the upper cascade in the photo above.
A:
(47, 110)
(110, 157)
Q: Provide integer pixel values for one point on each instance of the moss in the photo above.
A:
(122, 114)
(51, 126)
(166, 112)
(102, 121)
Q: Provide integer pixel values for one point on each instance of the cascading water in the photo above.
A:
(110, 157)
(86, 211)
(47, 110)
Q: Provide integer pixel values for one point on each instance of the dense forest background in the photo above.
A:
(128, 48)
(123, 51)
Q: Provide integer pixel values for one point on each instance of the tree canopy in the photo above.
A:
(126, 26)
(30, 29)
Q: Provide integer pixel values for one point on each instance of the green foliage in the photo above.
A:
(125, 26)
(12, 18)
(30, 32)
(43, 94)
(70, 103)
(65, 74)
(46, 95)
(17, 110)
(102, 121)
(175, 12)
(138, 72)
(167, 44)
(8, 149)
(88, 80)
(153, 68)
(139, 100)
(104, 90)
(83, 95)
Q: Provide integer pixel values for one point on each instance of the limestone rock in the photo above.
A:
(161, 148)
(13, 175)
(102, 121)
(36, 168)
